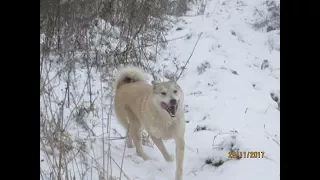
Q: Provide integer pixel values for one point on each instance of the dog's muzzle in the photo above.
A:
(172, 109)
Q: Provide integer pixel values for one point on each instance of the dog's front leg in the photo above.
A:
(179, 157)
(162, 148)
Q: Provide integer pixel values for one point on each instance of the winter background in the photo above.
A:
(228, 54)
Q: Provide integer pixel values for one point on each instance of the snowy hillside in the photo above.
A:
(228, 102)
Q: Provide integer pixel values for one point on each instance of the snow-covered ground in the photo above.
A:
(229, 101)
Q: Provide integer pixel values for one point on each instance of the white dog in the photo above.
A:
(158, 108)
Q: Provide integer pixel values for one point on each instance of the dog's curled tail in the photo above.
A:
(129, 74)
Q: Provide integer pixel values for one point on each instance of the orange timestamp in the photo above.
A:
(237, 155)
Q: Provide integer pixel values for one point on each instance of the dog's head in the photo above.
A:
(167, 96)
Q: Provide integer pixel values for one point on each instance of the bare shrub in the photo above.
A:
(273, 40)
(107, 33)
(81, 44)
(202, 67)
(269, 19)
(265, 64)
(275, 96)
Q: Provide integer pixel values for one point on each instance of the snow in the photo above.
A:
(227, 104)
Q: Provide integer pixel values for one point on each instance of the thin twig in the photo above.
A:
(165, 41)
(260, 13)
(103, 158)
(276, 141)
(267, 109)
(189, 57)
(109, 143)
(124, 151)
(120, 168)
(41, 173)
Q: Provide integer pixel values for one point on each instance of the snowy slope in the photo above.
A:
(231, 99)
(220, 99)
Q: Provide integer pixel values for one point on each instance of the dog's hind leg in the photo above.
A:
(162, 148)
(136, 137)
(135, 133)
(129, 142)
(122, 118)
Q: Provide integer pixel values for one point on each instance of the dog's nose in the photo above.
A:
(173, 102)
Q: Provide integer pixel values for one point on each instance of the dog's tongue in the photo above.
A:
(164, 106)
(172, 109)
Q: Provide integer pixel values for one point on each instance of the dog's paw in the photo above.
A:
(130, 145)
(129, 142)
(144, 156)
(169, 158)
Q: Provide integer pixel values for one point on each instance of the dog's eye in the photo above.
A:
(175, 91)
(163, 93)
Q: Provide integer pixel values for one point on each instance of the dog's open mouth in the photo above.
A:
(170, 109)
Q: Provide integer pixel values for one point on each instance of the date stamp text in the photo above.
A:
(238, 155)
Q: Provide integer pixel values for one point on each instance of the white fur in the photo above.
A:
(137, 107)
(132, 72)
